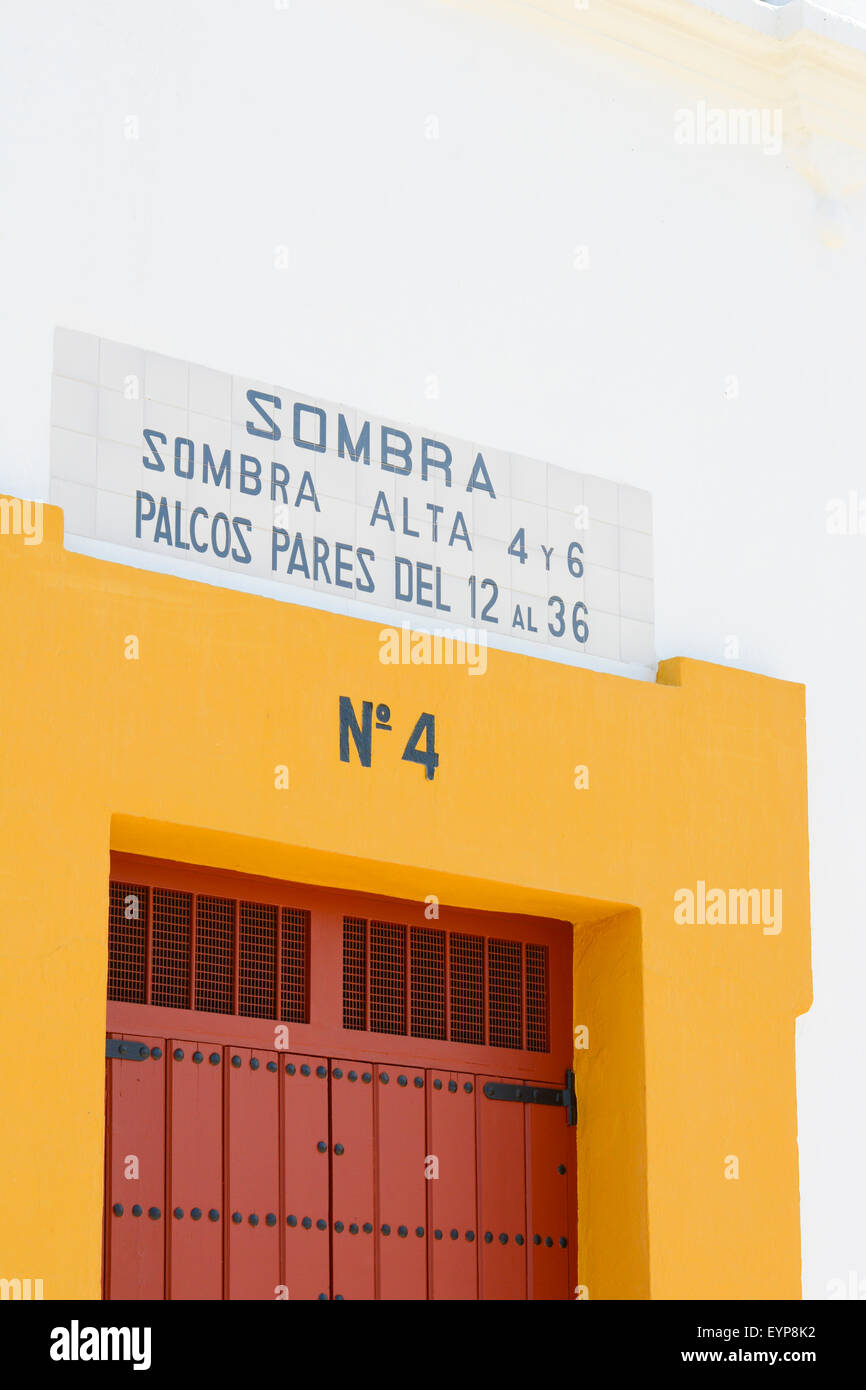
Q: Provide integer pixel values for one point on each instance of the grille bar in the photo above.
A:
(354, 973)
(537, 1005)
(171, 946)
(468, 989)
(127, 942)
(217, 955)
(504, 992)
(387, 978)
(427, 982)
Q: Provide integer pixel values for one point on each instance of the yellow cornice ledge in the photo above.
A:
(818, 81)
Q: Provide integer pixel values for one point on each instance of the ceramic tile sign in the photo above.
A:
(311, 498)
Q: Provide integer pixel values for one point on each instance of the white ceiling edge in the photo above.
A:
(786, 20)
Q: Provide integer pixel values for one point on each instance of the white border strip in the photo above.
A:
(307, 598)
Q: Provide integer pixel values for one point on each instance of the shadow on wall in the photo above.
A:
(612, 1223)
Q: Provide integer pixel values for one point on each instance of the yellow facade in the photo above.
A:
(699, 777)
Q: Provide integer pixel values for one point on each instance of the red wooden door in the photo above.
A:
(501, 1196)
(252, 1174)
(352, 1187)
(452, 1186)
(548, 1201)
(310, 1120)
(135, 1188)
(306, 1177)
(400, 1149)
(195, 1216)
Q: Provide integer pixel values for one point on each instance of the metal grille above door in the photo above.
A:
(341, 970)
(498, 988)
(184, 950)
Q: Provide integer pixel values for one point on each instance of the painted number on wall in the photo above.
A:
(420, 745)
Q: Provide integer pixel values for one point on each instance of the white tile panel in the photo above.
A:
(601, 544)
(74, 456)
(166, 380)
(115, 519)
(74, 405)
(601, 589)
(603, 641)
(210, 393)
(638, 647)
(602, 500)
(564, 489)
(528, 479)
(636, 598)
(76, 355)
(121, 368)
(79, 506)
(106, 394)
(637, 554)
(121, 419)
(119, 467)
(635, 509)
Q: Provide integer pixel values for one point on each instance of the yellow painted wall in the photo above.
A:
(700, 776)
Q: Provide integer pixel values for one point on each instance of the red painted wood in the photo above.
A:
(305, 1176)
(252, 1173)
(136, 1162)
(401, 1186)
(353, 1261)
(244, 1139)
(549, 1147)
(195, 1171)
(106, 1182)
(452, 1203)
(501, 1196)
(324, 1034)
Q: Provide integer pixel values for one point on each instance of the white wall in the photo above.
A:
(306, 126)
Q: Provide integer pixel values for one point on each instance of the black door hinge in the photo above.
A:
(125, 1050)
(537, 1095)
